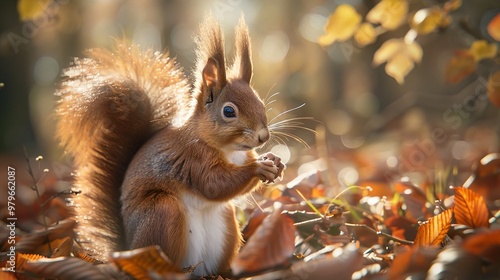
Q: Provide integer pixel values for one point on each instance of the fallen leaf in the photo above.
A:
(140, 262)
(31, 9)
(481, 49)
(493, 27)
(434, 231)
(65, 268)
(23, 259)
(414, 198)
(494, 88)
(402, 227)
(37, 240)
(486, 178)
(389, 13)
(485, 245)
(253, 223)
(7, 275)
(453, 262)
(345, 262)
(427, 20)
(341, 25)
(271, 246)
(461, 65)
(365, 35)
(470, 208)
(400, 57)
(417, 260)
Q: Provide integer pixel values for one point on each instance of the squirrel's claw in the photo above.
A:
(271, 168)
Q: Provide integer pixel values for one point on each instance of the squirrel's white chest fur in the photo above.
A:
(207, 234)
(207, 227)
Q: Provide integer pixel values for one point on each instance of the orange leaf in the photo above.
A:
(402, 227)
(494, 88)
(494, 27)
(253, 223)
(434, 231)
(486, 178)
(470, 208)
(270, 246)
(415, 260)
(141, 262)
(461, 65)
(65, 268)
(485, 245)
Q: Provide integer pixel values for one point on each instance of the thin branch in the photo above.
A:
(388, 236)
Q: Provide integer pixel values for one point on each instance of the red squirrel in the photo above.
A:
(159, 160)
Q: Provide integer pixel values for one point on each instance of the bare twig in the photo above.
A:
(388, 236)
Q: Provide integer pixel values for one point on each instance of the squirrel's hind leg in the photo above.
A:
(158, 219)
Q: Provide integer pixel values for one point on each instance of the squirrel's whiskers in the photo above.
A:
(283, 130)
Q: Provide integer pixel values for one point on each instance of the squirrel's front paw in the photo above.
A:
(270, 168)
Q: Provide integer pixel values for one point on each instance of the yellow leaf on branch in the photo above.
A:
(341, 25)
(31, 9)
(389, 13)
(480, 49)
(365, 34)
(427, 20)
(400, 57)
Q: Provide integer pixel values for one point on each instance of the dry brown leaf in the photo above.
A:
(485, 245)
(36, 241)
(402, 227)
(270, 246)
(434, 231)
(416, 260)
(453, 262)
(400, 57)
(415, 199)
(470, 208)
(342, 266)
(427, 20)
(23, 259)
(5, 275)
(481, 49)
(253, 223)
(140, 262)
(486, 178)
(461, 65)
(65, 268)
(389, 13)
(494, 88)
(341, 25)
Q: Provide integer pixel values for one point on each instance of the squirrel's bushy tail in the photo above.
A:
(111, 103)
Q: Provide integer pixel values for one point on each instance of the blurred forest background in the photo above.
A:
(375, 127)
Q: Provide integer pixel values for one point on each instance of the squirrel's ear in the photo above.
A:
(212, 76)
(214, 79)
(242, 66)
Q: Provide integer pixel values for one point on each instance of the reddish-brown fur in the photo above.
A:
(130, 119)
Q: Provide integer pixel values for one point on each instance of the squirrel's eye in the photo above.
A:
(229, 112)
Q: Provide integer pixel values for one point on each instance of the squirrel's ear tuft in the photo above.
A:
(242, 66)
(210, 64)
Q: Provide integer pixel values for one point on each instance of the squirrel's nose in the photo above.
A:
(263, 135)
